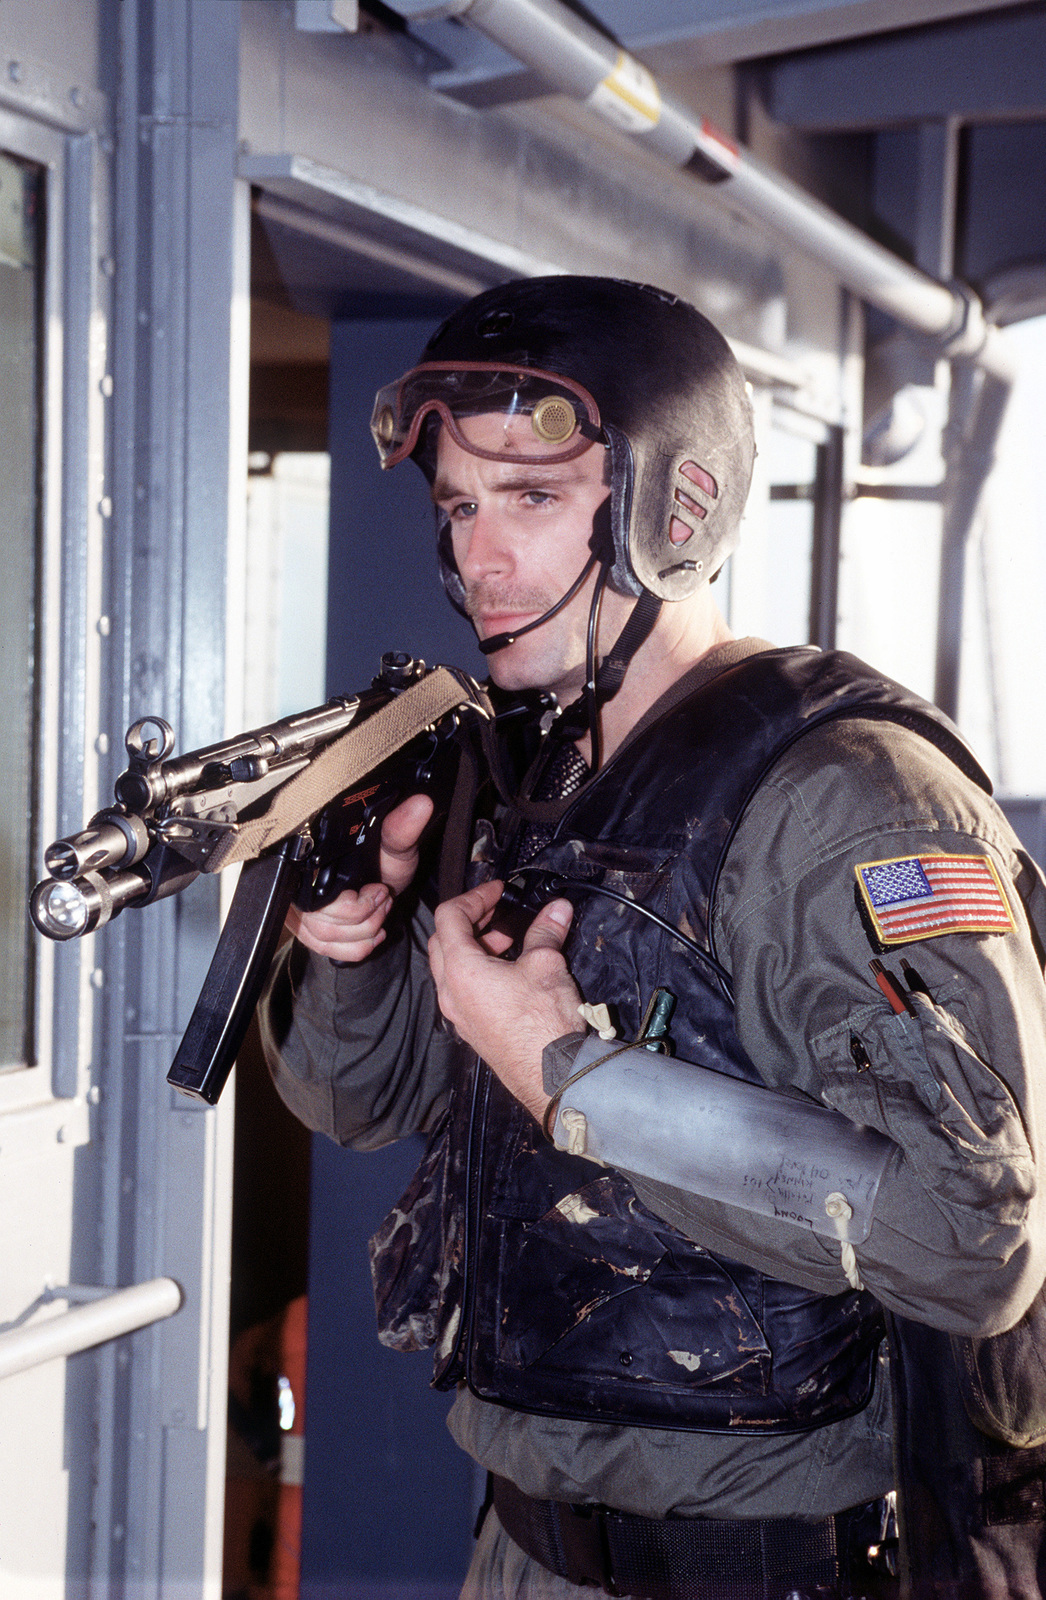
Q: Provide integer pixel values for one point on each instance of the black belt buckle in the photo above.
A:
(586, 1552)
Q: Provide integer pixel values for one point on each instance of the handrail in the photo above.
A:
(106, 1317)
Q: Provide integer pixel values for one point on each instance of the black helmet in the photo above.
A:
(588, 359)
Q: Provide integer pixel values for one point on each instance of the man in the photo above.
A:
(679, 1394)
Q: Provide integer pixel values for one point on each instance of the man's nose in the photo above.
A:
(488, 550)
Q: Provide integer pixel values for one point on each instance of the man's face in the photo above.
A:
(521, 537)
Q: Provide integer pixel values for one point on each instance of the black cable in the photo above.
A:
(556, 883)
(591, 698)
(498, 641)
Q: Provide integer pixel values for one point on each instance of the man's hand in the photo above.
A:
(508, 1011)
(354, 924)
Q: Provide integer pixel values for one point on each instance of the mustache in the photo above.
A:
(488, 598)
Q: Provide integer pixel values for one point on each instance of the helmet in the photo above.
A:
(596, 359)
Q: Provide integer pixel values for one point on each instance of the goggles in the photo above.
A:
(564, 418)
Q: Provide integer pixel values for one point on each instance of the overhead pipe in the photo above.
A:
(576, 59)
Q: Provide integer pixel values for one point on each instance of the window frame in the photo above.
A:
(51, 1093)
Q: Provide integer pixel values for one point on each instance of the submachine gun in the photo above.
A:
(300, 803)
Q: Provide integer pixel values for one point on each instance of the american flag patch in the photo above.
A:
(921, 897)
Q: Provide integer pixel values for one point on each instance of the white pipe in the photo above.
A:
(865, 267)
(578, 60)
(107, 1318)
(763, 367)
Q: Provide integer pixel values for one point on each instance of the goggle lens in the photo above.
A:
(563, 417)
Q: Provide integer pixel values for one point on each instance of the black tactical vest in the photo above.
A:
(557, 1291)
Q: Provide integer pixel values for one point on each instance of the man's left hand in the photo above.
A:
(508, 1011)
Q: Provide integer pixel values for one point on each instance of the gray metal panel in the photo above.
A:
(72, 50)
(82, 205)
(165, 1178)
(40, 120)
(60, 97)
(427, 250)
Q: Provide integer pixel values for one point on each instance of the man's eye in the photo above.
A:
(464, 508)
(538, 497)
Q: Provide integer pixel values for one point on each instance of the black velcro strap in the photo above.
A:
(638, 627)
(674, 1558)
(610, 674)
(457, 830)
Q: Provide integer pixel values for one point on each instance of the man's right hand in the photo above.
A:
(354, 924)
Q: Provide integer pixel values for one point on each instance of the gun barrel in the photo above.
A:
(110, 840)
(126, 856)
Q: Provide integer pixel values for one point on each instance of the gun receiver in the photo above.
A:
(175, 817)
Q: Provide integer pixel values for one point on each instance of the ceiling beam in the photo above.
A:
(671, 37)
(981, 68)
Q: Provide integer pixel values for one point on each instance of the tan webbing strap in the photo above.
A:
(358, 752)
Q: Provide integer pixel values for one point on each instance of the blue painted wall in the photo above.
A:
(389, 1500)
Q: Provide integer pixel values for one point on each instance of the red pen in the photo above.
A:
(892, 990)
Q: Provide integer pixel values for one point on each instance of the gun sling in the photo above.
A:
(345, 762)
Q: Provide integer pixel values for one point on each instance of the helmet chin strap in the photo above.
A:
(582, 715)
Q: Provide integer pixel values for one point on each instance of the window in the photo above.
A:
(891, 549)
(21, 280)
(767, 587)
(1003, 690)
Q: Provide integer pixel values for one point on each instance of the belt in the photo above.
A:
(697, 1558)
